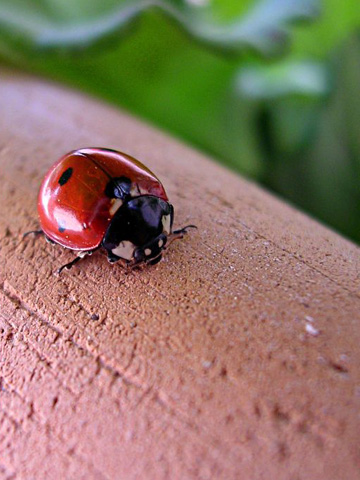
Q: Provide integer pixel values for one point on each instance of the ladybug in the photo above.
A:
(97, 197)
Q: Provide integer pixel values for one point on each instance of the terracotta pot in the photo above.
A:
(236, 357)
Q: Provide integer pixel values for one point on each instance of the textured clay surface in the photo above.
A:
(236, 357)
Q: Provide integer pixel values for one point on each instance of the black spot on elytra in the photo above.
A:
(65, 176)
(61, 229)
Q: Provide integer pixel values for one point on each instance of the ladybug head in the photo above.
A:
(138, 232)
(151, 252)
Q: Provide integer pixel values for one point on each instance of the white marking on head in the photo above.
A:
(147, 251)
(166, 222)
(124, 250)
(115, 205)
(161, 242)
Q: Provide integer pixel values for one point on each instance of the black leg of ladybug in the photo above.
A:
(68, 265)
(143, 261)
(183, 230)
(39, 232)
(178, 234)
(34, 232)
(49, 240)
(155, 260)
(81, 256)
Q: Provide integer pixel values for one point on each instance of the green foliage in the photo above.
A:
(50, 24)
(242, 80)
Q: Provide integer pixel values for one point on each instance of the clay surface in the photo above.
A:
(236, 357)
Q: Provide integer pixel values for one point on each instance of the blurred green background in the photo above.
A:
(268, 87)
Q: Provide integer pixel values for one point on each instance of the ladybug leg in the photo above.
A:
(68, 265)
(178, 234)
(155, 260)
(39, 232)
(34, 232)
(183, 230)
(49, 240)
(77, 259)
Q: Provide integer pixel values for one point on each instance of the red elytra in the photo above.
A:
(73, 208)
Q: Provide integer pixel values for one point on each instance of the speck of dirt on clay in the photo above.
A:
(311, 330)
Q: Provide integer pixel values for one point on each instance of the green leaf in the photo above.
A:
(314, 156)
(156, 71)
(305, 78)
(49, 25)
(339, 19)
